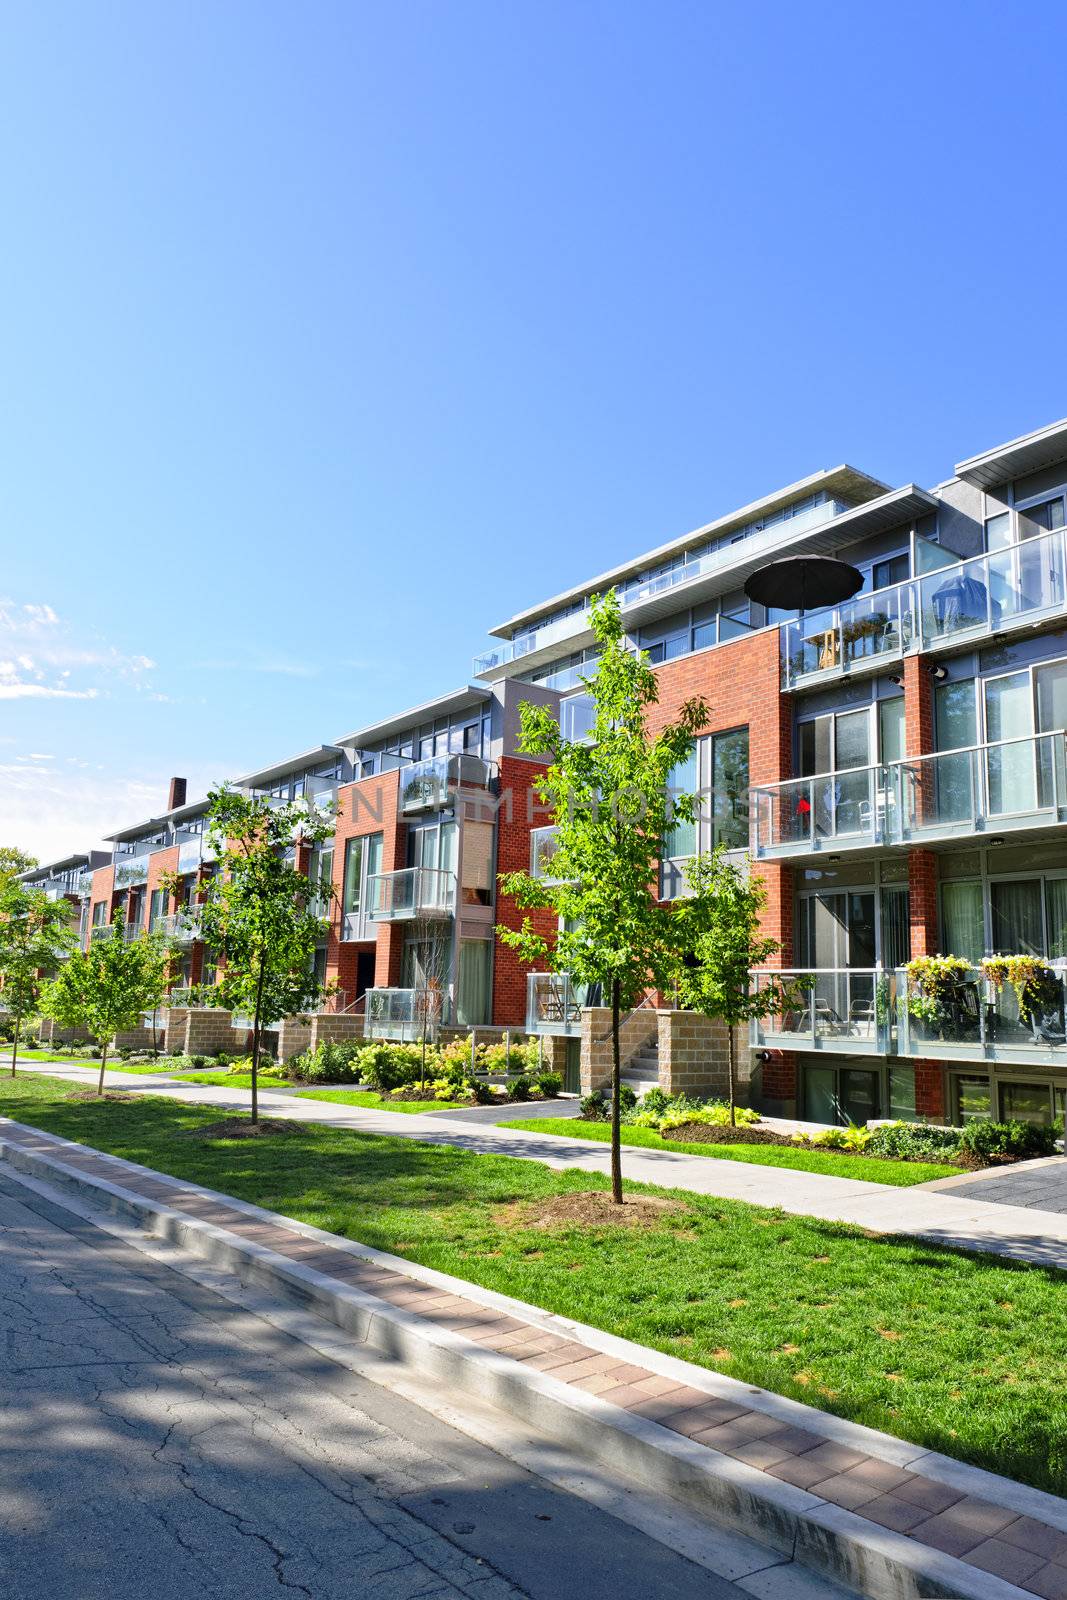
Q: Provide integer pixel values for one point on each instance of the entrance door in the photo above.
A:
(858, 1094)
(837, 933)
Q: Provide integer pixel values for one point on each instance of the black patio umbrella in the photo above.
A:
(803, 583)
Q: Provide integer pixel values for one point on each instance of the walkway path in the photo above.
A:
(927, 1211)
(899, 1502)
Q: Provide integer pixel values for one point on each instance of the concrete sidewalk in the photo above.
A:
(933, 1213)
(889, 1518)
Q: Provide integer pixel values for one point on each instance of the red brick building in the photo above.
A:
(893, 767)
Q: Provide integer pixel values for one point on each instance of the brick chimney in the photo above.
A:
(177, 794)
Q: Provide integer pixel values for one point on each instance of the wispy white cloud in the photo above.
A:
(45, 657)
(54, 807)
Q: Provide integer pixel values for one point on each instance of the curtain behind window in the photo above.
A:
(472, 991)
(962, 923)
(1017, 929)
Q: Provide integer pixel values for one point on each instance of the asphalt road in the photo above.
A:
(156, 1440)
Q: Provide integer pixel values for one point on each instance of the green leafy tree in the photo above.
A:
(13, 861)
(107, 988)
(609, 800)
(36, 933)
(720, 941)
(260, 913)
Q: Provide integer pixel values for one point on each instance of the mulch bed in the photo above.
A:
(91, 1094)
(243, 1128)
(591, 1209)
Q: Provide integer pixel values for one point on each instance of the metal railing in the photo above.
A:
(1005, 784)
(553, 1004)
(406, 1013)
(410, 892)
(181, 926)
(634, 593)
(1008, 783)
(856, 806)
(976, 1019)
(850, 1010)
(983, 595)
(429, 784)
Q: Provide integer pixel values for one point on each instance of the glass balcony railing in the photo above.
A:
(553, 1004)
(406, 1013)
(428, 785)
(1006, 785)
(682, 572)
(985, 595)
(410, 892)
(181, 926)
(831, 810)
(132, 869)
(849, 1010)
(1012, 783)
(190, 854)
(978, 1019)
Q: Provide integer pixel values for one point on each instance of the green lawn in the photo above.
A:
(960, 1353)
(345, 1097)
(830, 1163)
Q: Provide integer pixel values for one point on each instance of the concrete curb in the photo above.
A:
(837, 1543)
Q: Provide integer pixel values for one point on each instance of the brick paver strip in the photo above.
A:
(991, 1538)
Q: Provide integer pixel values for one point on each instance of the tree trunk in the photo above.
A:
(616, 1085)
(15, 1041)
(103, 1068)
(255, 1041)
(733, 1079)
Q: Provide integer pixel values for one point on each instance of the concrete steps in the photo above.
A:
(641, 1072)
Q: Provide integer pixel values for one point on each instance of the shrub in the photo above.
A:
(1013, 1141)
(521, 1058)
(329, 1063)
(593, 1106)
(912, 1141)
(88, 1052)
(521, 1088)
(550, 1084)
(390, 1066)
(198, 1061)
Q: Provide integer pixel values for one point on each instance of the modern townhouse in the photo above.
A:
(893, 767)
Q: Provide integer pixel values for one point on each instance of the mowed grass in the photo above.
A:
(829, 1163)
(961, 1353)
(346, 1097)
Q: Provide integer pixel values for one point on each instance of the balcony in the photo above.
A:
(552, 1004)
(986, 595)
(980, 1021)
(657, 594)
(1005, 786)
(430, 784)
(409, 893)
(852, 809)
(842, 1010)
(132, 869)
(406, 1013)
(181, 926)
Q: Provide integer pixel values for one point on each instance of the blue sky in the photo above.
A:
(332, 335)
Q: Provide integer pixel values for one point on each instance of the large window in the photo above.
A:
(472, 988)
(716, 771)
(363, 857)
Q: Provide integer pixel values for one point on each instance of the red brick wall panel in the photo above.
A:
(519, 812)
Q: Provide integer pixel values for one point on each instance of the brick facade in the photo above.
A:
(364, 808)
(930, 1095)
(520, 810)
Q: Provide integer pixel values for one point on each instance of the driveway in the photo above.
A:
(1034, 1185)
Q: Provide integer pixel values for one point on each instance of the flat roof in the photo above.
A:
(848, 481)
(1029, 453)
(467, 695)
(48, 869)
(281, 769)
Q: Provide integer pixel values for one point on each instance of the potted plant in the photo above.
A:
(936, 992)
(1037, 988)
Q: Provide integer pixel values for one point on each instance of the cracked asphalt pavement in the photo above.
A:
(157, 1440)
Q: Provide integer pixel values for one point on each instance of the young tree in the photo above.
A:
(36, 933)
(259, 912)
(720, 942)
(609, 800)
(107, 987)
